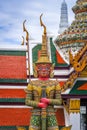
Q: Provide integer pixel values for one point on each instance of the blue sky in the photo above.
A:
(14, 12)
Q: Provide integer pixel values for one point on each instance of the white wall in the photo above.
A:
(75, 121)
(67, 118)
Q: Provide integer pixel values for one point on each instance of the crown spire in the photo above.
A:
(41, 23)
(44, 58)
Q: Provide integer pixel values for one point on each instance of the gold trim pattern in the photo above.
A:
(21, 128)
(74, 106)
(29, 87)
(79, 62)
(49, 89)
(44, 82)
(76, 62)
(37, 89)
(67, 128)
(70, 81)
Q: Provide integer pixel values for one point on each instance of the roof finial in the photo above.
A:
(25, 30)
(27, 43)
(41, 23)
(22, 40)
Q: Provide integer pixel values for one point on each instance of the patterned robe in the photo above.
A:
(43, 118)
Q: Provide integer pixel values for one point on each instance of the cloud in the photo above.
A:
(13, 13)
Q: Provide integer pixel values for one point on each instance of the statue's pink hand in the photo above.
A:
(45, 100)
(42, 105)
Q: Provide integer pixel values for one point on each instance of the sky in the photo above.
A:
(14, 12)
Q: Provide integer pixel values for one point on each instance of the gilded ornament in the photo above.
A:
(70, 81)
(74, 106)
(58, 87)
(20, 128)
(25, 30)
(74, 60)
(67, 128)
(42, 24)
(29, 87)
(37, 89)
(22, 41)
(35, 71)
(49, 89)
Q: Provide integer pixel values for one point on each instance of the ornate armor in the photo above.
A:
(36, 90)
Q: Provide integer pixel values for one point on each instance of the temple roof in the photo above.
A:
(12, 96)
(14, 117)
(79, 87)
(77, 32)
(13, 66)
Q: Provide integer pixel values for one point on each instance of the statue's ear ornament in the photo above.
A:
(35, 70)
(52, 71)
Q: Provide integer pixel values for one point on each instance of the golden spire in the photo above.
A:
(44, 58)
(41, 23)
(27, 43)
(25, 30)
(22, 41)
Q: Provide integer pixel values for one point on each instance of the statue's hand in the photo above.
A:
(45, 100)
(42, 105)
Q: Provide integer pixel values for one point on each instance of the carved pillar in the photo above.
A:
(74, 110)
(74, 106)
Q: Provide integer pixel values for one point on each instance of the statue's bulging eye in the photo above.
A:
(40, 68)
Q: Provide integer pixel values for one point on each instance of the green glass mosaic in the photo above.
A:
(13, 80)
(35, 52)
(13, 53)
(51, 121)
(35, 121)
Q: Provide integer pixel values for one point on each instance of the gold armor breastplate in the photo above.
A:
(38, 85)
(37, 91)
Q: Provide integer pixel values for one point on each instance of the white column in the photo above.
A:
(31, 45)
(75, 121)
(67, 118)
(48, 46)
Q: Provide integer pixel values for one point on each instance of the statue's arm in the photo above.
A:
(29, 101)
(57, 100)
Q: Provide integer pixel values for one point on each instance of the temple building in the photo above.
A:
(63, 18)
(13, 81)
(75, 90)
(74, 37)
(72, 43)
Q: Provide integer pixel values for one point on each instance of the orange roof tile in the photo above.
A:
(83, 87)
(12, 93)
(13, 67)
(14, 116)
(59, 58)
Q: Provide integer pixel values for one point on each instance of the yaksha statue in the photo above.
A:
(42, 94)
